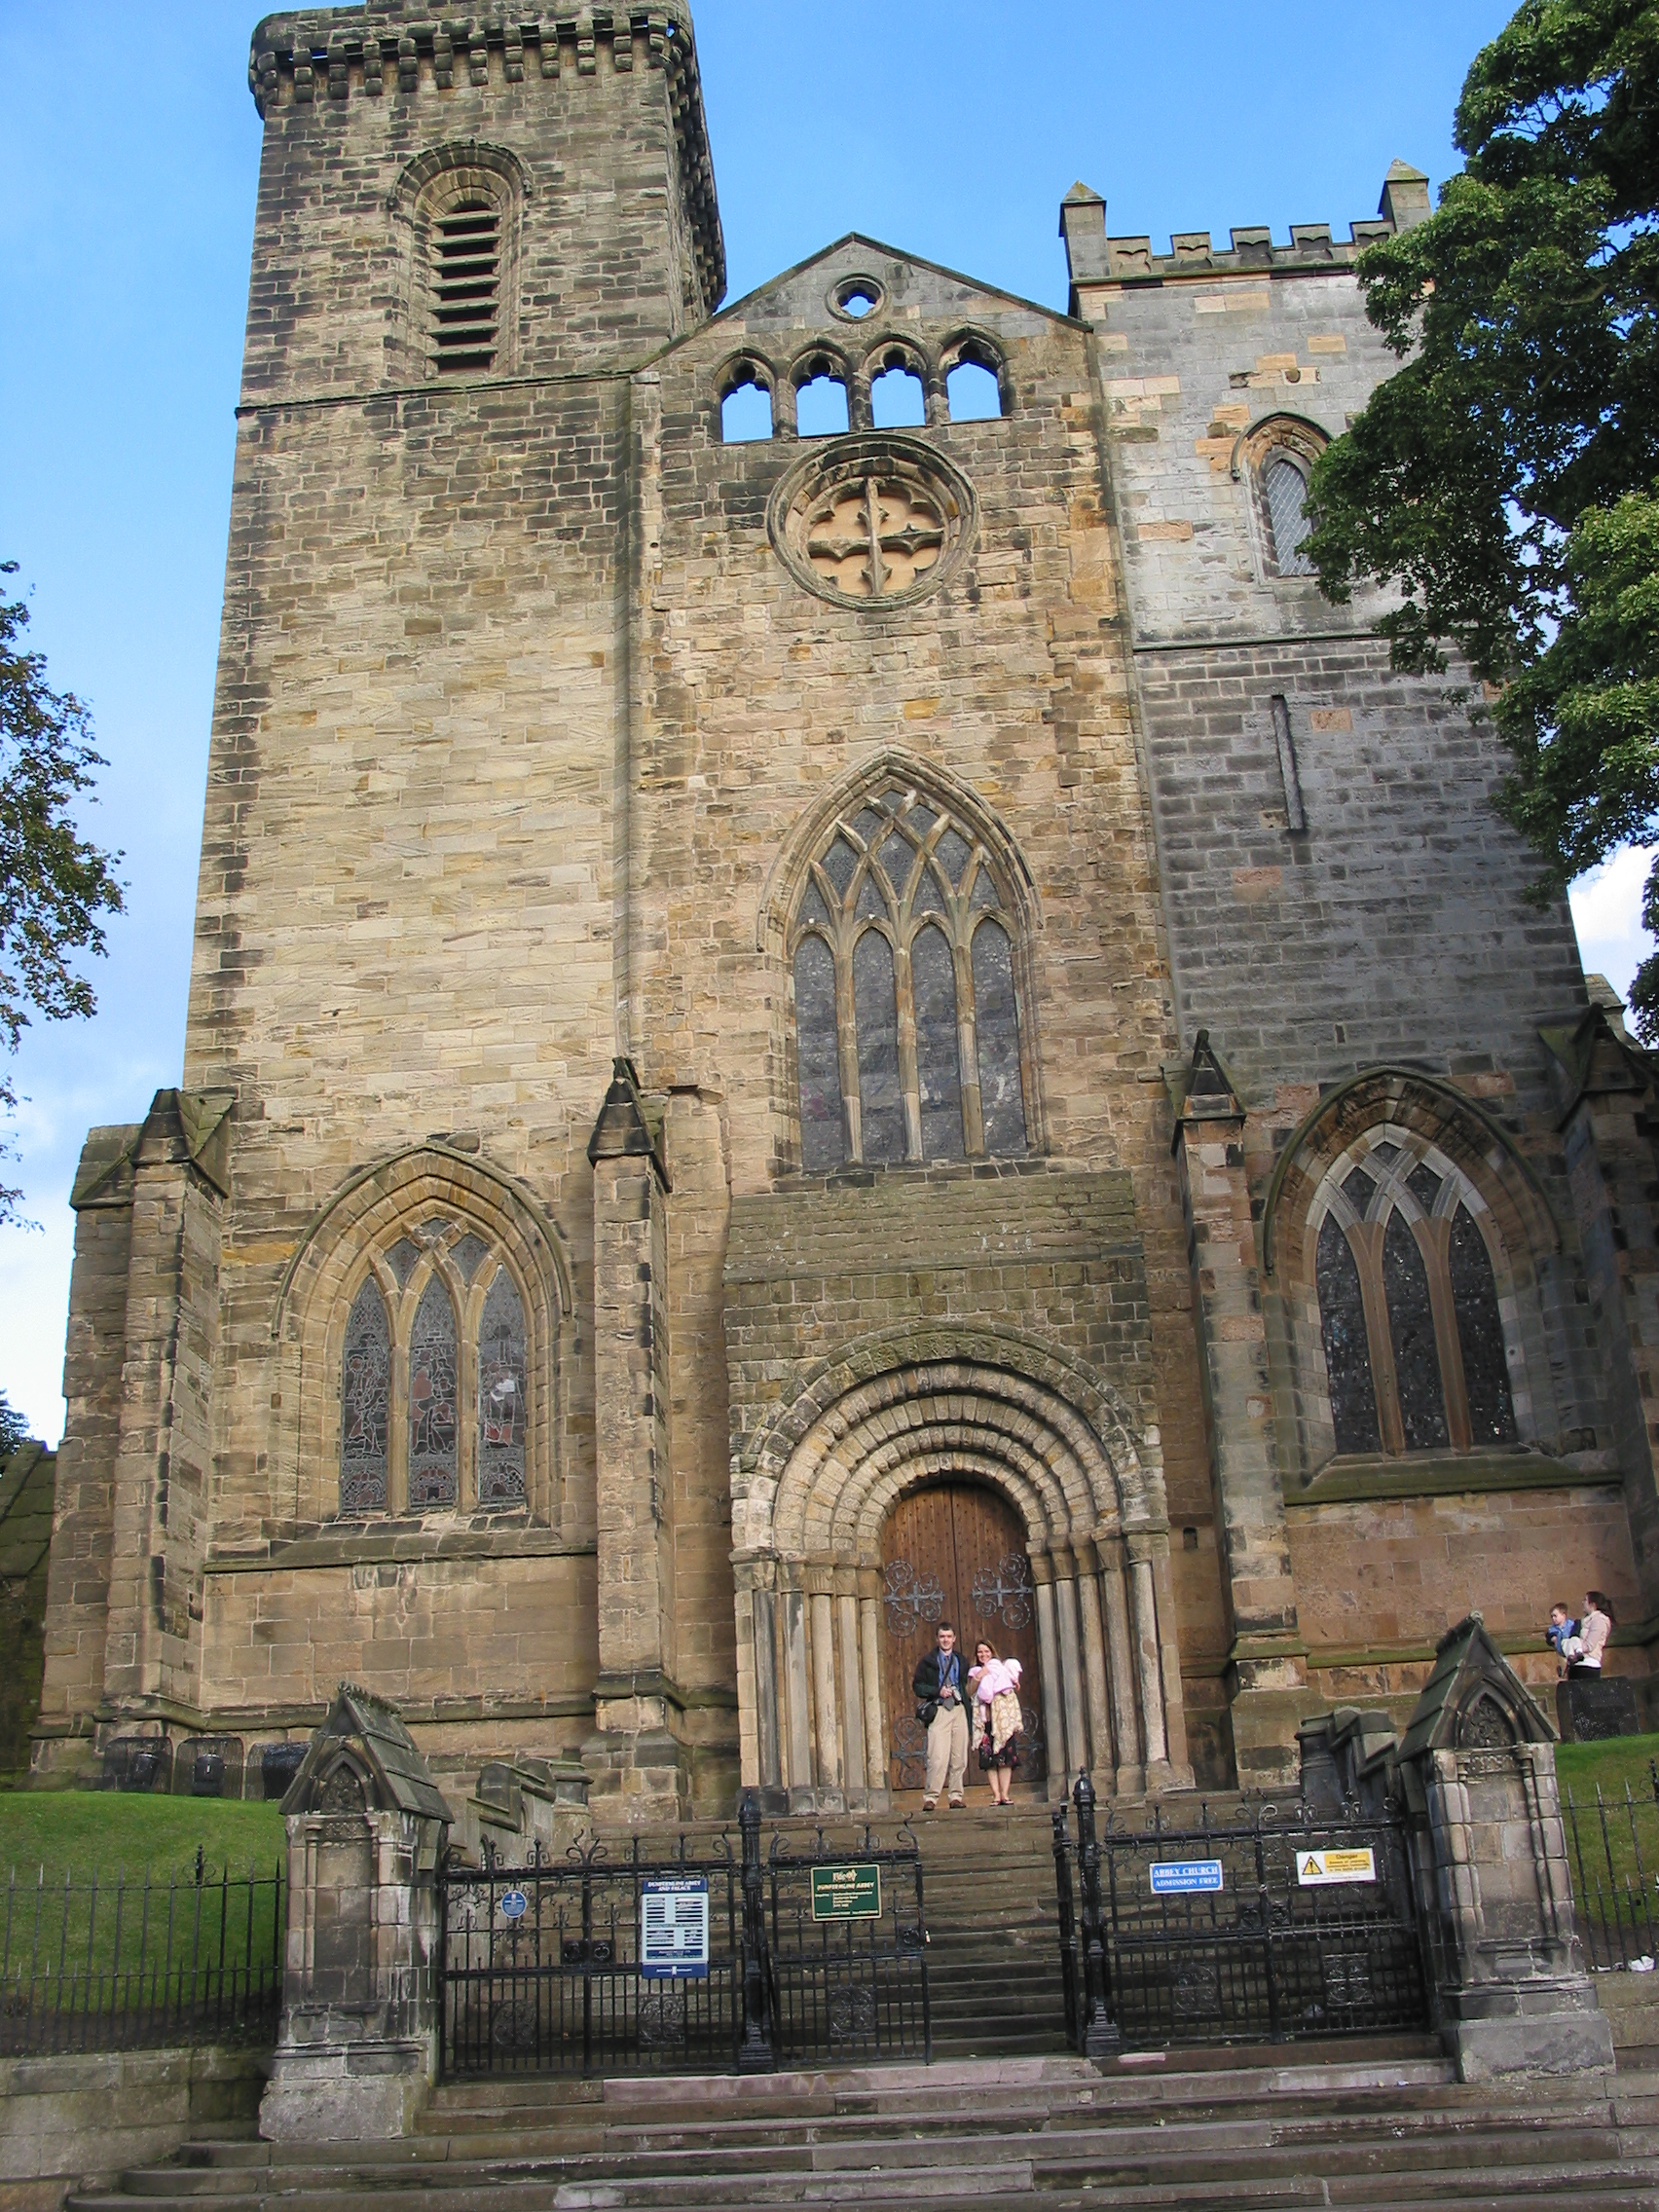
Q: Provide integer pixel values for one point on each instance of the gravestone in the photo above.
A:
(1590, 1708)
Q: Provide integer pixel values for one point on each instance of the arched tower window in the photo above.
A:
(1284, 488)
(462, 204)
(1416, 1349)
(910, 1030)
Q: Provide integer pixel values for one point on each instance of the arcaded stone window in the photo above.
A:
(434, 1378)
(908, 1021)
(1416, 1348)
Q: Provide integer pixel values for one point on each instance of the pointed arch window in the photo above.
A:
(1416, 1355)
(501, 1395)
(365, 1404)
(909, 1027)
(435, 1378)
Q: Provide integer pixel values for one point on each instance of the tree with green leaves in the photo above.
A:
(55, 884)
(1504, 482)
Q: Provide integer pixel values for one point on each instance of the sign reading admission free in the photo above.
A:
(846, 1893)
(1315, 1868)
(1174, 1876)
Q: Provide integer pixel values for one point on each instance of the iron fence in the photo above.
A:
(543, 1967)
(854, 1988)
(1612, 1851)
(122, 1965)
(1267, 1927)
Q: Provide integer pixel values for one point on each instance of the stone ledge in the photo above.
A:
(1357, 1479)
(398, 1542)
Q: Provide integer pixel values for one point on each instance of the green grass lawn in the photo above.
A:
(101, 1904)
(1581, 1767)
(102, 1831)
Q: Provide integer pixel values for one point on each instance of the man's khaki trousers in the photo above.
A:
(947, 1751)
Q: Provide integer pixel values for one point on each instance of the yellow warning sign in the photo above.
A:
(1316, 1867)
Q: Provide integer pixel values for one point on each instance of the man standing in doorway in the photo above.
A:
(937, 1684)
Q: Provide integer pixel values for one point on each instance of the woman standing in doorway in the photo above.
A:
(997, 1719)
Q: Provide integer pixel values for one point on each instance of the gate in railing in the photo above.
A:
(1269, 1926)
(811, 1956)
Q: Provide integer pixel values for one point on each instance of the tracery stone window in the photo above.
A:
(908, 1021)
(1417, 1354)
(875, 522)
(434, 1378)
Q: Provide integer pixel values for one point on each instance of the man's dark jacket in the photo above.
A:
(925, 1681)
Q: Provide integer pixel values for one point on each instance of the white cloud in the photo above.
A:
(1607, 912)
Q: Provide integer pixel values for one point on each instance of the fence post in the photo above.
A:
(1100, 2033)
(1067, 1921)
(756, 2053)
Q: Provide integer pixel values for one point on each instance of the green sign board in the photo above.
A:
(846, 1893)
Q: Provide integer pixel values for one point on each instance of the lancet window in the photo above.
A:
(908, 1020)
(1416, 1346)
(434, 1373)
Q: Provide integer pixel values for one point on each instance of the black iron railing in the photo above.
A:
(106, 1963)
(1612, 1853)
(542, 1967)
(1265, 1927)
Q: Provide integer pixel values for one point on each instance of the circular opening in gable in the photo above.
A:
(855, 297)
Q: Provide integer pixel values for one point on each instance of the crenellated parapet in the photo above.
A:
(392, 51)
(1097, 258)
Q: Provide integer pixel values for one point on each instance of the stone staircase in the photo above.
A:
(1373, 2131)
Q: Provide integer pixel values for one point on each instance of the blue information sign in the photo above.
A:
(514, 1903)
(1175, 1875)
(674, 1929)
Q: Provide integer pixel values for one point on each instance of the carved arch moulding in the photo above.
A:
(813, 1487)
(429, 1219)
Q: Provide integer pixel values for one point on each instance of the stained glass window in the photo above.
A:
(433, 1427)
(1348, 1355)
(932, 984)
(925, 881)
(875, 1015)
(501, 1396)
(1480, 1334)
(1002, 1101)
(823, 1132)
(1410, 1327)
(1442, 1381)
(365, 1398)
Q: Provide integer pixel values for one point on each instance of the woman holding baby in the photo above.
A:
(994, 1686)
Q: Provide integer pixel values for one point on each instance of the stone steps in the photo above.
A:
(1386, 2133)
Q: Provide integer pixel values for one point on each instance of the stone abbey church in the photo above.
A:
(797, 1034)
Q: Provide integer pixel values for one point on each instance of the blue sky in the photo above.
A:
(128, 151)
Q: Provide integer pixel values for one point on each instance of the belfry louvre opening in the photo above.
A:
(465, 286)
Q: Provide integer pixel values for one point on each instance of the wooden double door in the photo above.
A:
(955, 1552)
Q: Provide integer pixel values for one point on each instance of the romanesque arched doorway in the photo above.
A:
(955, 1551)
